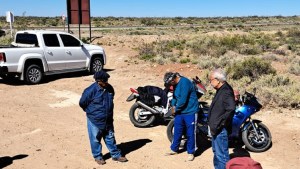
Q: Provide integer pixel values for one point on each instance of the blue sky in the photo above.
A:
(157, 8)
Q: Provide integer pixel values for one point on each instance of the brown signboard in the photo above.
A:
(78, 11)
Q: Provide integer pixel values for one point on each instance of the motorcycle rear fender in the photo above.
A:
(131, 97)
(248, 123)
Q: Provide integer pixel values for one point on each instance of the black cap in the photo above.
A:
(169, 76)
(101, 76)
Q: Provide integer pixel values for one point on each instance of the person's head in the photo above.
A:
(171, 78)
(101, 78)
(217, 78)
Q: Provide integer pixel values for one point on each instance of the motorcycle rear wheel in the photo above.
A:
(252, 142)
(170, 133)
(140, 120)
(170, 130)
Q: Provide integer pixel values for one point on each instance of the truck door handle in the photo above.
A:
(68, 52)
(49, 52)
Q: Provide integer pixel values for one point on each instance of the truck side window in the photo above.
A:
(69, 41)
(26, 38)
(51, 40)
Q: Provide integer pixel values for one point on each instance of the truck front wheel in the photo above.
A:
(96, 65)
(33, 74)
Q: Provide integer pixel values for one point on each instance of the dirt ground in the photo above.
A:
(42, 126)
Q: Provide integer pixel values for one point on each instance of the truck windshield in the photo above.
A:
(27, 39)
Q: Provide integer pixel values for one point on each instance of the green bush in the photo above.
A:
(295, 68)
(273, 81)
(264, 41)
(185, 60)
(206, 62)
(252, 67)
(147, 56)
(272, 90)
(218, 46)
(85, 39)
(250, 50)
(233, 42)
(6, 40)
(150, 22)
(293, 32)
(206, 46)
(147, 51)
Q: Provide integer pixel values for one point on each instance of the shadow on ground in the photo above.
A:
(239, 152)
(130, 146)
(203, 144)
(46, 79)
(6, 161)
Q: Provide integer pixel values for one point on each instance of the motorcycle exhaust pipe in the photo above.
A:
(147, 107)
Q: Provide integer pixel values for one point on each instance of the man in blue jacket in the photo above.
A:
(97, 102)
(185, 107)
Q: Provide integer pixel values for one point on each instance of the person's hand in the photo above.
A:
(173, 110)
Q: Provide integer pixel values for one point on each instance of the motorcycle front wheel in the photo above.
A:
(255, 143)
(140, 120)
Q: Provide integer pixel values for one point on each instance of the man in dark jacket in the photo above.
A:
(220, 117)
(97, 102)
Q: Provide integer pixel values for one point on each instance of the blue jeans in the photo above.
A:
(220, 149)
(95, 136)
(185, 122)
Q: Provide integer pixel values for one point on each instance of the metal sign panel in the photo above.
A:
(9, 17)
(78, 11)
(85, 11)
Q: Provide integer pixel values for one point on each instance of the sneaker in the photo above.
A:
(120, 159)
(171, 153)
(191, 157)
(100, 162)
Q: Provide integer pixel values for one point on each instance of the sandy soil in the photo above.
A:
(42, 126)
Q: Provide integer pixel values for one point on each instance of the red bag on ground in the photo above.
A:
(243, 163)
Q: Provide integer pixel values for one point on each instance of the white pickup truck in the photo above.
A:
(36, 53)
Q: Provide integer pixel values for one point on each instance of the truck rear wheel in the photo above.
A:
(33, 74)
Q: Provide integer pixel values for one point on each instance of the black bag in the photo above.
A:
(147, 94)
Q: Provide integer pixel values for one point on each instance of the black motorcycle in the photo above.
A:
(150, 105)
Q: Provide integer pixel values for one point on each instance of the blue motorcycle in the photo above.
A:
(253, 133)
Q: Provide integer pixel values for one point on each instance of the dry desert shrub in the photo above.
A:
(278, 91)
(294, 67)
(208, 62)
(271, 90)
(5, 40)
(252, 67)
